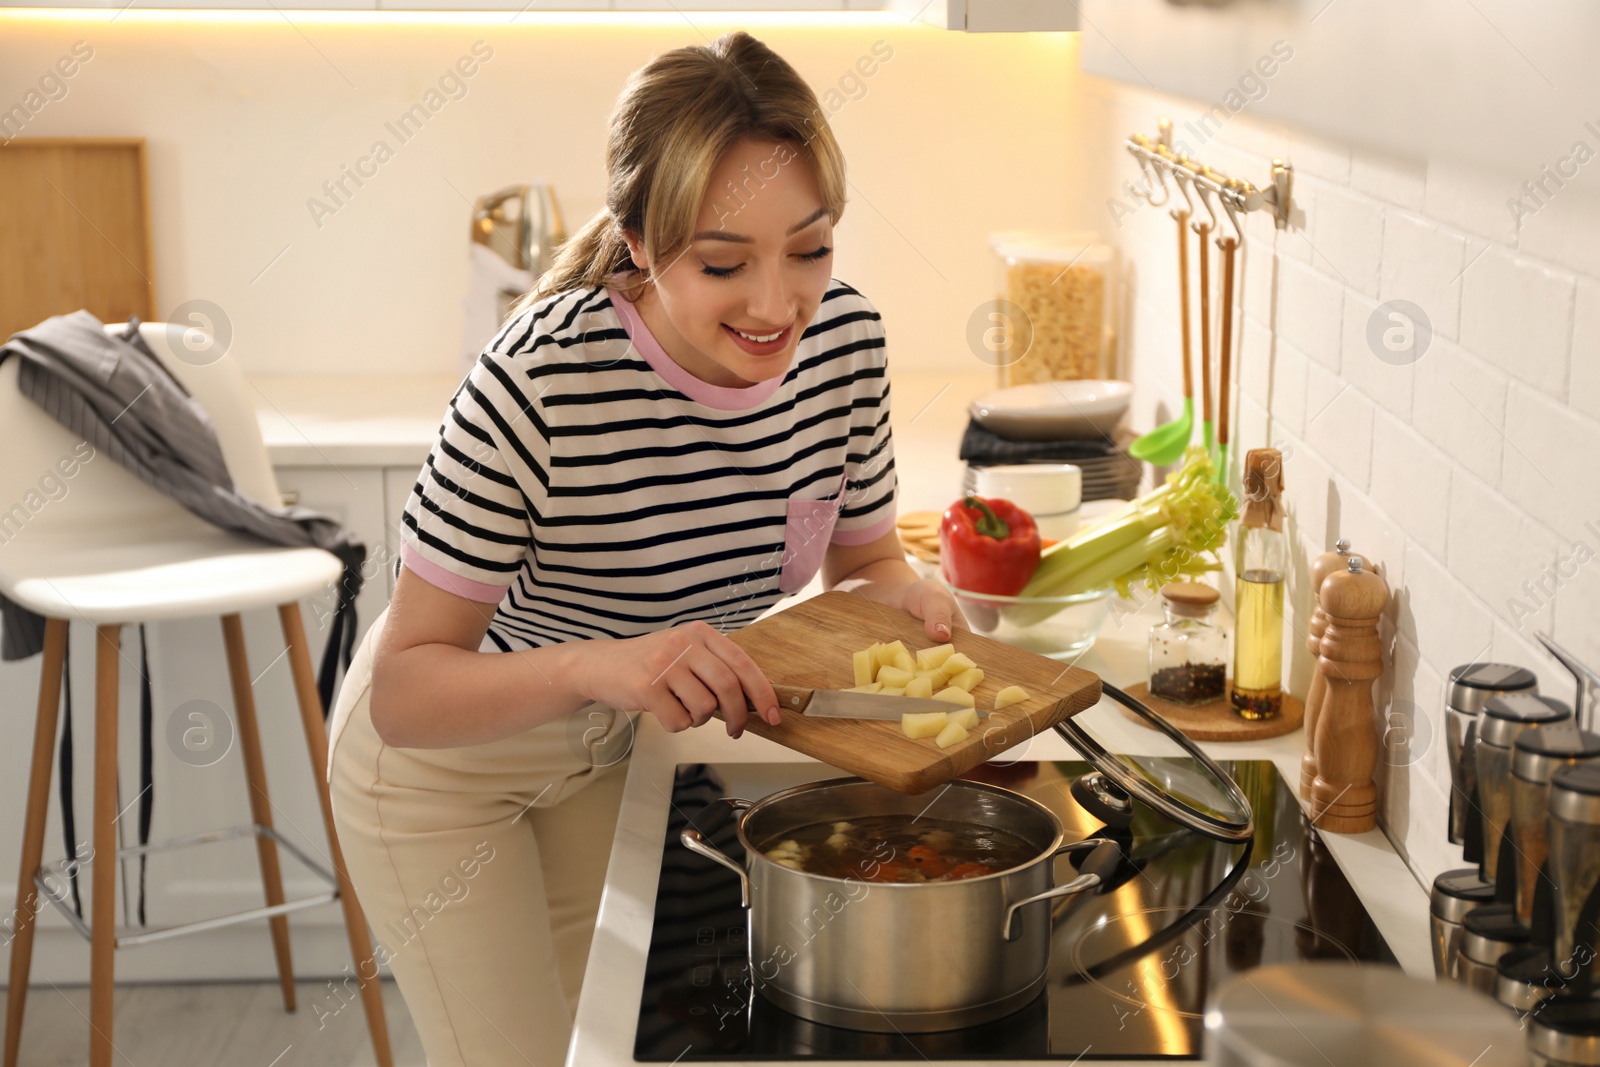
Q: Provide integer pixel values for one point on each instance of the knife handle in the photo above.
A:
(791, 698)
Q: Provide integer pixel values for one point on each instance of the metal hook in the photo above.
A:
(1147, 194)
(1200, 227)
(1229, 198)
(1180, 178)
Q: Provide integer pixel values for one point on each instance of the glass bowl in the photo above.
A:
(1061, 627)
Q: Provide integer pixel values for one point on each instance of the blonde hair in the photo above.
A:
(676, 117)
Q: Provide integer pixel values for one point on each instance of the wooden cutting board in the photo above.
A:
(809, 646)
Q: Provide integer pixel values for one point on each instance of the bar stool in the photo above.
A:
(114, 551)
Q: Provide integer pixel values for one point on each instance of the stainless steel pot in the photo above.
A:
(909, 957)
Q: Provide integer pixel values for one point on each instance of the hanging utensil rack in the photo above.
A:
(1158, 161)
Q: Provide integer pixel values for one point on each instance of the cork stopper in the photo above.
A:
(1189, 598)
(1263, 488)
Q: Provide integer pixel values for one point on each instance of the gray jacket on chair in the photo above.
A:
(115, 393)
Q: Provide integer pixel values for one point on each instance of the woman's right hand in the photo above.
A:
(681, 676)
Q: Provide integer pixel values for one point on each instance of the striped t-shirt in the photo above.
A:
(589, 486)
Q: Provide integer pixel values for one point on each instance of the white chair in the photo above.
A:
(113, 551)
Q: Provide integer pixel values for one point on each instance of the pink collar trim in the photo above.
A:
(721, 397)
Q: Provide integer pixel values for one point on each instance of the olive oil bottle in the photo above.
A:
(1261, 559)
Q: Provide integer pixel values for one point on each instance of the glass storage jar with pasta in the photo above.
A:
(1052, 319)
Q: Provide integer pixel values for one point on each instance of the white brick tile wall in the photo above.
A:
(1289, 372)
(1339, 424)
(1310, 307)
(1563, 231)
(1439, 615)
(1517, 313)
(1549, 461)
(1374, 370)
(1411, 482)
(1393, 181)
(1422, 263)
(1470, 473)
(1470, 198)
(1494, 548)
(1460, 405)
(1583, 385)
(1348, 234)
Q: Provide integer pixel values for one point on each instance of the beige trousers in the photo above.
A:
(479, 870)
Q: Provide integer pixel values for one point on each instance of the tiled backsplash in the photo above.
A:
(1467, 472)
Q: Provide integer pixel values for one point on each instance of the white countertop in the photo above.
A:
(608, 1009)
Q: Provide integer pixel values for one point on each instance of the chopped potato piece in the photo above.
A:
(951, 734)
(892, 691)
(968, 679)
(956, 696)
(870, 687)
(956, 663)
(903, 660)
(924, 724)
(929, 658)
(893, 676)
(919, 687)
(1011, 694)
(864, 665)
(967, 717)
(886, 653)
(935, 676)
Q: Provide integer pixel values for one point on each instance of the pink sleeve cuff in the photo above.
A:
(865, 534)
(450, 582)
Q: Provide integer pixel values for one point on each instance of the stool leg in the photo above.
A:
(355, 923)
(28, 902)
(103, 916)
(255, 772)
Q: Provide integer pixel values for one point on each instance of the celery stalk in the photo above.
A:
(1160, 537)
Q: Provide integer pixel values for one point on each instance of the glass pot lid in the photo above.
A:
(1175, 778)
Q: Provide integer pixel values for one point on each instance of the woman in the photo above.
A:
(682, 423)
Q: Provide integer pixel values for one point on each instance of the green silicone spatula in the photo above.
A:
(1164, 445)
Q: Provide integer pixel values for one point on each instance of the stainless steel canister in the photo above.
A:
(1535, 757)
(1470, 685)
(1565, 1032)
(1455, 894)
(1487, 934)
(1575, 865)
(1504, 719)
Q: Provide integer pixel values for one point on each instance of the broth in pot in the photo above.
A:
(889, 848)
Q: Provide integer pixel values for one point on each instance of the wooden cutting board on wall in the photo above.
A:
(809, 647)
(74, 230)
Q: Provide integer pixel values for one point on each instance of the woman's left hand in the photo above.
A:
(930, 601)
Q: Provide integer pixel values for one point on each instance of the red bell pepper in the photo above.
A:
(988, 545)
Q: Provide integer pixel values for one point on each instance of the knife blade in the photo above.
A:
(836, 704)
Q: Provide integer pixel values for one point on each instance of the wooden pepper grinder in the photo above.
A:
(1321, 567)
(1344, 799)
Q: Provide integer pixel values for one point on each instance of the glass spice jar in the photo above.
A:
(1189, 651)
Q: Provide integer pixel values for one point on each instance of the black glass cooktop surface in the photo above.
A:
(1131, 966)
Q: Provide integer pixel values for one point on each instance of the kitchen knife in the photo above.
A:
(836, 704)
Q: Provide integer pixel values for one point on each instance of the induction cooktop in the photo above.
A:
(1130, 966)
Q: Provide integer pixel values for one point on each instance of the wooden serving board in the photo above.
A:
(809, 647)
(1217, 721)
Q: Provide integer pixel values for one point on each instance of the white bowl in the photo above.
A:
(1088, 409)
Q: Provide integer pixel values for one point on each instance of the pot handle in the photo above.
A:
(1104, 855)
(711, 818)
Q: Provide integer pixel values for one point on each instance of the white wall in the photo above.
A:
(248, 114)
(1467, 473)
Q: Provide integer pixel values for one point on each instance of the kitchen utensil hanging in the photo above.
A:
(1165, 444)
(1157, 159)
(1205, 227)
